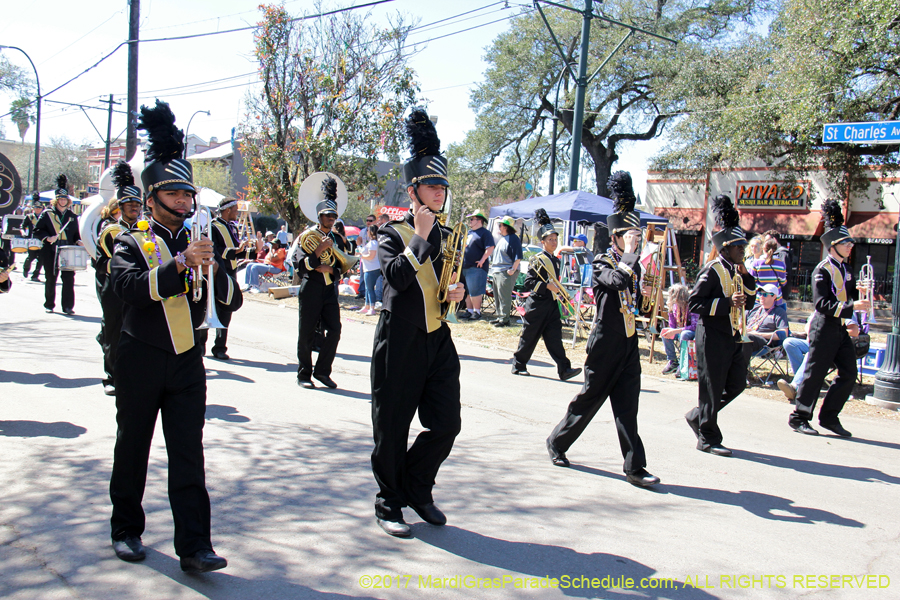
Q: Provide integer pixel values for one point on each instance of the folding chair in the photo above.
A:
(769, 363)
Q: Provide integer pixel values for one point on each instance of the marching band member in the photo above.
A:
(721, 360)
(58, 227)
(829, 343)
(541, 318)
(613, 368)
(5, 263)
(227, 247)
(153, 271)
(128, 203)
(415, 366)
(318, 300)
(28, 227)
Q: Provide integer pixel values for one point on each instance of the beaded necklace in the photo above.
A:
(151, 247)
(614, 255)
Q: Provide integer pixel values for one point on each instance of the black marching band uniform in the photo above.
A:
(225, 243)
(721, 360)
(5, 262)
(541, 318)
(159, 351)
(317, 298)
(28, 227)
(415, 366)
(62, 223)
(110, 304)
(612, 368)
(829, 343)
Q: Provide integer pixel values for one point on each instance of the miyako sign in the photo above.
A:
(774, 195)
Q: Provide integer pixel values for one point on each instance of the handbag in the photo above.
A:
(687, 361)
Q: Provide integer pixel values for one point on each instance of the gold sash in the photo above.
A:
(229, 242)
(425, 275)
(57, 227)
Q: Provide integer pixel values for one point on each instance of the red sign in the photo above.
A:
(394, 212)
(776, 195)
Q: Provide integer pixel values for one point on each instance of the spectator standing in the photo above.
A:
(479, 246)
(682, 324)
(283, 236)
(784, 255)
(504, 269)
(382, 220)
(755, 246)
(768, 269)
(371, 269)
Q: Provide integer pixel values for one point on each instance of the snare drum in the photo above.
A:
(18, 245)
(72, 258)
(12, 226)
(35, 244)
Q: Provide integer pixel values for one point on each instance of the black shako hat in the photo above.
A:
(729, 219)
(835, 230)
(329, 204)
(62, 186)
(545, 224)
(426, 164)
(123, 179)
(625, 217)
(164, 166)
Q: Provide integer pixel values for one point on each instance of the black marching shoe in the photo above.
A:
(109, 389)
(130, 549)
(430, 513)
(397, 528)
(69, 311)
(642, 478)
(523, 372)
(802, 426)
(570, 374)
(836, 428)
(717, 449)
(326, 381)
(203, 561)
(556, 457)
(221, 355)
(306, 383)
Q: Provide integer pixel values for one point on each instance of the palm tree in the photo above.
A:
(20, 112)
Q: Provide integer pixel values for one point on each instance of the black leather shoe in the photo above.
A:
(642, 478)
(717, 449)
(837, 428)
(556, 457)
(494, 320)
(306, 383)
(430, 513)
(130, 549)
(203, 561)
(68, 311)
(221, 355)
(569, 374)
(326, 381)
(109, 389)
(501, 324)
(802, 427)
(394, 528)
(522, 372)
(694, 424)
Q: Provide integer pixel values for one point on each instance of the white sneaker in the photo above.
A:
(363, 310)
(370, 312)
(378, 306)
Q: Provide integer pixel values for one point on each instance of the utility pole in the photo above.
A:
(133, 34)
(108, 129)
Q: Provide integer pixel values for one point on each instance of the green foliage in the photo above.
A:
(13, 78)
(822, 61)
(631, 99)
(475, 190)
(21, 113)
(334, 93)
(214, 175)
(58, 155)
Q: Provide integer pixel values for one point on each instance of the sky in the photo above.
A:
(214, 73)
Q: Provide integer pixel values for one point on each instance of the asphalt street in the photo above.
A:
(292, 491)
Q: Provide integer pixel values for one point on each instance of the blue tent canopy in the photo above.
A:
(569, 206)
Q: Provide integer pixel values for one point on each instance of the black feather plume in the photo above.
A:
(62, 182)
(122, 175)
(166, 140)
(329, 186)
(422, 136)
(622, 191)
(542, 217)
(832, 214)
(726, 215)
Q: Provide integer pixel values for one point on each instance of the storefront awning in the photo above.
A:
(873, 228)
(682, 219)
(788, 224)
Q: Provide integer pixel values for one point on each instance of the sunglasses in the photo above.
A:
(765, 294)
(370, 220)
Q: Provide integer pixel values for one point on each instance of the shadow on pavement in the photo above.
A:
(252, 364)
(817, 468)
(59, 429)
(50, 380)
(225, 413)
(86, 319)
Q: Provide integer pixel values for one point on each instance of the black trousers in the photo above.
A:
(33, 256)
(612, 370)
(110, 326)
(542, 321)
(411, 370)
(221, 342)
(829, 345)
(175, 387)
(722, 376)
(51, 272)
(317, 301)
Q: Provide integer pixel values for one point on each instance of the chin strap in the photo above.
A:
(172, 212)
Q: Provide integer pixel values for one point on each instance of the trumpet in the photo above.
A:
(566, 305)
(738, 313)
(452, 250)
(866, 285)
(211, 321)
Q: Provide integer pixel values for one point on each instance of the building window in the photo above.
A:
(95, 172)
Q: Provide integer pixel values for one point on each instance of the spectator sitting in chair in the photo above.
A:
(767, 323)
(274, 264)
(797, 350)
(682, 325)
(578, 246)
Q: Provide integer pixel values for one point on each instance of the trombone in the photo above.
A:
(211, 321)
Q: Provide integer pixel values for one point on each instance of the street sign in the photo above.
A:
(875, 132)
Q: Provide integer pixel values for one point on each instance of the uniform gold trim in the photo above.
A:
(425, 276)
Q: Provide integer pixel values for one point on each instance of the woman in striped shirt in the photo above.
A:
(768, 269)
